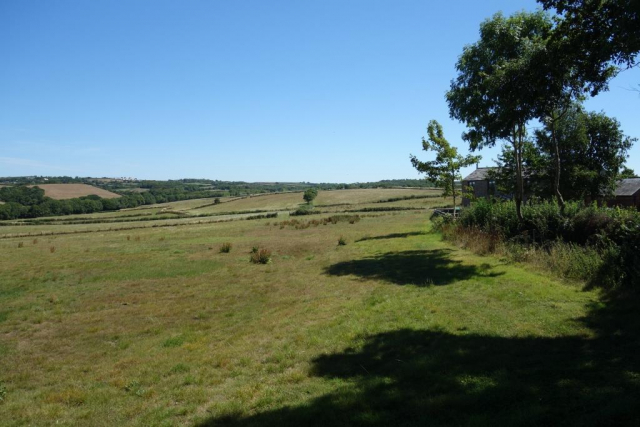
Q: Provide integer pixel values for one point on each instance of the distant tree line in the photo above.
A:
(30, 202)
(21, 201)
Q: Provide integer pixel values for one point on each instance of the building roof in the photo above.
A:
(479, 174)
(627, 187)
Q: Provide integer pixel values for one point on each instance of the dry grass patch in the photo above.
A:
(71, 191)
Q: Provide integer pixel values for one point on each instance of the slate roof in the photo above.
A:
(478, 174)
(627, 187)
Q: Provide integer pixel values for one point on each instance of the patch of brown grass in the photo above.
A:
(72, 191)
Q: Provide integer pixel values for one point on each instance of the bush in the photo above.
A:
(263, 256)
(598, 244)
(303, 210)
(225, 248)
(342, 241)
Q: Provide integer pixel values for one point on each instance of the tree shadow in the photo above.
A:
(431, 377)
(392, 236)
(418, 267)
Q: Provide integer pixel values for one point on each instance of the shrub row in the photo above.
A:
(412, 197)
(334, 219)
(613, 233)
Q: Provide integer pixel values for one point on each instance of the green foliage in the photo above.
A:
(225, 248)
(342, 241)
(304, 210)
(595, 36)
(22, 194)
(592, 151)
(627, 173)
(493, 93)
(310, 194)
(615, 233)
(445, 169)
(490, 93)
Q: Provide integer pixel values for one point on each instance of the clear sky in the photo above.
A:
(253, 90)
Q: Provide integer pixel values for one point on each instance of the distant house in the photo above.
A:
(627, 193)
(479, 183)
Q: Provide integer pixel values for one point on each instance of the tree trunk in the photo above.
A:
(517, 149)
(453, 185)
(558, 165)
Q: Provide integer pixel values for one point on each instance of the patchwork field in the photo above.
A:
(154, 326)
(70, 191)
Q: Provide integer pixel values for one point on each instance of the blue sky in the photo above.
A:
(320, 91)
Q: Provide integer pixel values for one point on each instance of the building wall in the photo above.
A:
(629, 201)
(626, 201)
(480, 189)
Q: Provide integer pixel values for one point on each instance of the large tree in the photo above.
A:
(494, 93)
(310, 194)
(445, 169)
(535, 166)
(593, 150)
(597, 36)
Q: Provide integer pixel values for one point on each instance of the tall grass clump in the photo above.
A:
(263, 256)
(225, 248)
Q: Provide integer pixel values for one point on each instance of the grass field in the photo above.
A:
(70, 191)
(155, 327)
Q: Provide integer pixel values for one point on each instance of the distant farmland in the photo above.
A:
(70, 191)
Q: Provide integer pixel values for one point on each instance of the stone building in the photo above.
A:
(479, 183)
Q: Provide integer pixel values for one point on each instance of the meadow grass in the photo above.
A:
(157, 327)
(291, 201)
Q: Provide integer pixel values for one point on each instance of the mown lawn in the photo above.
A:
(157, 327)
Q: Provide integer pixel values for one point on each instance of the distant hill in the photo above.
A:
(72, 191)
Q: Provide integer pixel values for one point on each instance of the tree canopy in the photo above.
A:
(593, 150)
(310, 194)
(596, 36)
(495, 91)
(445, 169)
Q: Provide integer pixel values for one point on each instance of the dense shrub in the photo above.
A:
(334, 219)
(304, 210)
(598, 243)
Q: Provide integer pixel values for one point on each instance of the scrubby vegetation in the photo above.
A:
(599, 245)
(260, 256)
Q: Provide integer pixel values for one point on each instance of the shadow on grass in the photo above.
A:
(431, 377)
(421, 268)
(392, 236)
